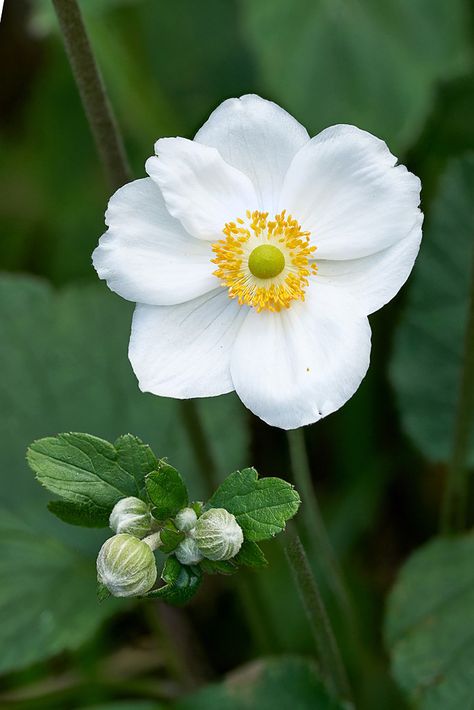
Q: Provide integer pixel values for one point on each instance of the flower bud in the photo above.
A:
(218, 534)
(131, 515)
(186, 519)
(188, 552)
(126, 566)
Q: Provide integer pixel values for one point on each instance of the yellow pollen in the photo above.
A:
(264, 263)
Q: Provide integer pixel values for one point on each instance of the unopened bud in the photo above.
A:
(186, 519)
(126, 566)
(218, 534)
(131, 515)
(188, 552)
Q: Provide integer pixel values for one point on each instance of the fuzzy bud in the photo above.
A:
(188, 552)
(218, 534)
(186, 519)
(126, 566)
(131, 515)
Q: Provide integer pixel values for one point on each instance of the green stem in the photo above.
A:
(114, 160)
(454, 512)
(93, 94)
(327, 651)
(193, 423)
(313, 522)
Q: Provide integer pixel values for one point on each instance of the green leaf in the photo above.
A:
(429, 348)
(250, 555)
(102, 592)
(261, 505)
(331, 47)
(166, 491)
(226, 567)
(429, 625)
(63, 358)
(90, 474)
(48, 599)
(181, 582)
(266, 684)
(170, 538)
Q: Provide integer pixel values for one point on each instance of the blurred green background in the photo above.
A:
(399, 68)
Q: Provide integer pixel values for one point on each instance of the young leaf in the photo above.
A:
(261, 505)
(181, 582)
(226, 567)
(90, 474)
(166, 491)
(250, 555)
(170, 538)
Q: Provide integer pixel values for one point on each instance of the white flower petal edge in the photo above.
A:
(345, 188)
(258, 138)
(374, 280)
(146, 255)
(295, 368)
(184, 351)
(199, 187)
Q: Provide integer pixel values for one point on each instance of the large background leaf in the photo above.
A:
(430, 623)
(48, 596)
(63, 358)
(369, 63)
(268, 684)
(429, 349)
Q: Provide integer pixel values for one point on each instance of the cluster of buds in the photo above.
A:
(126, 564)
(215, 535)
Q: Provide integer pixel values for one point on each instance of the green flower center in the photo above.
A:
(266, 261)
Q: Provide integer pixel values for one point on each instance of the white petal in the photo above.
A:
(146, 255)
(343, 186)
(374, 280)
(257, 137)
(294, 367)
(184, 351)
(200, 188)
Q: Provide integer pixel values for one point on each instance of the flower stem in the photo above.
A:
(454, 509)
(112, 154)
(315, 528)
(192, 420)
(93, 94)
(328, 655)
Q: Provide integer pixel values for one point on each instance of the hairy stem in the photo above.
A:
(93, 94)
(327, 651)
(454, 512)
(313, 522)
(192, 420)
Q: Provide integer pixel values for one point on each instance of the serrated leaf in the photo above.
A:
(429, 625)
(261, 505)
(226, 567)
(181, 582)
(266, 684)
(63, 358)
(429, 347)
(166, 490)
(250, 555)
(86, 516)
(330, 47)
(90, 473)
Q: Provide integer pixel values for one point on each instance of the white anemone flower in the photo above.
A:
(255, 254)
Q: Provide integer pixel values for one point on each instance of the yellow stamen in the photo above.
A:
(264, 263)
